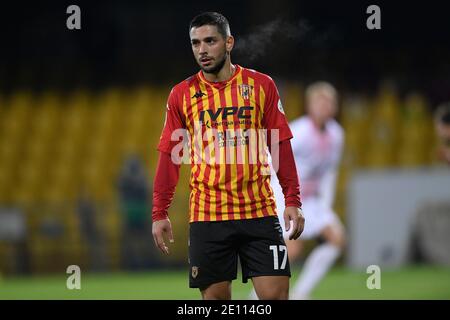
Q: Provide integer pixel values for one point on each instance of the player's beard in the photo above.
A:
(216, 68)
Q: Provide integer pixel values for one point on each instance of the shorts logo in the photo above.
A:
(194, 272)
(246, 91)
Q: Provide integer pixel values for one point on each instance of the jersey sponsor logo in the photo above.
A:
(242, 113)
(232, 138)
(245, 91)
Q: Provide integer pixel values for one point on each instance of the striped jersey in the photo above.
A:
(222, 129)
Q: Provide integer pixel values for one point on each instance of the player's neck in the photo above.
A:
(224, 74)
(320, 125)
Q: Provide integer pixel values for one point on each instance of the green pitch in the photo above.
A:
(419, 282)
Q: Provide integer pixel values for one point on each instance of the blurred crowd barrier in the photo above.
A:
(397, 217)
(62, 156)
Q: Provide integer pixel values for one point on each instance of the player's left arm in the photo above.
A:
(274, 120)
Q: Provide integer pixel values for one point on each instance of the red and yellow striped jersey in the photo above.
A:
(221, 127)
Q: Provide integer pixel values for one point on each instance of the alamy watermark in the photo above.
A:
(374, 280)
(74, 20)
(74, 280)
(374, 20)
(212, 146)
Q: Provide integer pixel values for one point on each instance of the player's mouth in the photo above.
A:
(206, 61)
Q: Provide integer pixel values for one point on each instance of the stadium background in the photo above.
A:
(79, 107)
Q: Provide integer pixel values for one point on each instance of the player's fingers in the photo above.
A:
(300, 224)
(155, 240)
(171, 240)
(162, 246)
(294, 232)
(297, 234)
(287, 221)
(159, 240)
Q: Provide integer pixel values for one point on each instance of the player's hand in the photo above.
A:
(296, 215)
(159, 229)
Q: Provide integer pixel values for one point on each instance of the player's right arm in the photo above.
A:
(167, 174)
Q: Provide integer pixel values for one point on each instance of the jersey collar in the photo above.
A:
(221, 83)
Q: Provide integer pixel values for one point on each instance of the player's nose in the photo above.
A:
(202, 49)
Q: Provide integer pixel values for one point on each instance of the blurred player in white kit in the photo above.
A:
(317, 146)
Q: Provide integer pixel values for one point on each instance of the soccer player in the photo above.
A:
(317, 146)
(442, 125)
(218, 116)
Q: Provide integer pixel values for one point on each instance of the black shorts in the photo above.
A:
(214, 248)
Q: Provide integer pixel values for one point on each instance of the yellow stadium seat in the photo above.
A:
(384, 129)
(415, 133)
(293, 100)
(355, 120)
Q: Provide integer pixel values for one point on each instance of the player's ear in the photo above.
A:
(229, 43)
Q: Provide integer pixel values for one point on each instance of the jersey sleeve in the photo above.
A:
(173, 122)
(288, 177)
(273, 116)
(164, 184)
